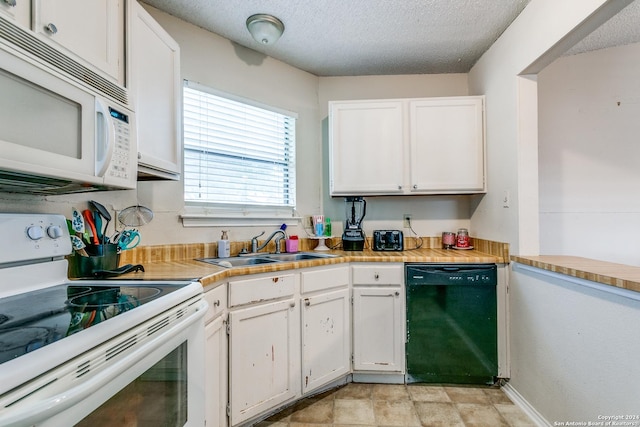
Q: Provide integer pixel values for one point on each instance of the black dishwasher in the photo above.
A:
(451, 323)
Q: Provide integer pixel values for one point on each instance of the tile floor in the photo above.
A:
(403, 405)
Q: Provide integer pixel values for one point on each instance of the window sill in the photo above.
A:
(238, 217)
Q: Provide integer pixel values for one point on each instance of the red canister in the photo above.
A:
(448, 240)
(462, 240)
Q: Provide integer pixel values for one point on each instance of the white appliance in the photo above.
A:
(98, 353)
(63, 127)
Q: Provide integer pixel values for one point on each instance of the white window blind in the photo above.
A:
(236, 153)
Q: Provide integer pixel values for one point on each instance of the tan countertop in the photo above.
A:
(172, 262)
(608, 273)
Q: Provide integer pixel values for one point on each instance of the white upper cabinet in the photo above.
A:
(155, 84)
(447, 145)
(407, 146)
(92, 30)
(366, 147)
(17, 10)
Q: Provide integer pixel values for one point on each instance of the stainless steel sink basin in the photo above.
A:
(299, 256)
(255, 259)
(237, 261)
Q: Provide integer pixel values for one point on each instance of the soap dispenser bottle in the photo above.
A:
(224, 248)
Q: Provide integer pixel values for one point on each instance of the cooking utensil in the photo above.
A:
(105, 214)
(135, 216)
(97, 220)
(78, 225)
(88, 220)
(128, 239)
(78, 245)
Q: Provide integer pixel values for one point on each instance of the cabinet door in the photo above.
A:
(91, 29)
(325, 338)
(378, 329)
(264, 358)
(366, 147)
(20, 12)
(447, 145)
(216, 373)
(157, 91)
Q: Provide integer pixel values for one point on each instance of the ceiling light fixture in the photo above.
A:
(265, 29)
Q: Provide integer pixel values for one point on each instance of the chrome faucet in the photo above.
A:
(254, 241)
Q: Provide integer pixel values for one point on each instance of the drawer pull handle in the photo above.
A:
(216, 303)
(307, 302)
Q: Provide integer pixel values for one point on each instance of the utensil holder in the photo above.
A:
(101, 257)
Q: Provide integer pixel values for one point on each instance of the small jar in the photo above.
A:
(462, 241)
(448, 240)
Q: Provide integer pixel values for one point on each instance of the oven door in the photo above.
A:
(150, 375)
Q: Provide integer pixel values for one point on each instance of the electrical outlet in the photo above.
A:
(406, 220)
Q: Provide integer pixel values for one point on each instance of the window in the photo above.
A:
(236, 153)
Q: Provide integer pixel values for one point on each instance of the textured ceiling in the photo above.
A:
(377, 37)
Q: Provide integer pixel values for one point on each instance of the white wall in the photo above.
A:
(589, 152)
(574, 350)
(540, 34)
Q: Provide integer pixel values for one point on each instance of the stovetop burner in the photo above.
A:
(33, 320)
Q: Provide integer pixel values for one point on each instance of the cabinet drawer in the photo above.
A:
(326, 278)
(378, 274)
(217, 300)
(261, 289)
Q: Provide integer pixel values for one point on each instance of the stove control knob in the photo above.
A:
(54, 231)
(35, 232)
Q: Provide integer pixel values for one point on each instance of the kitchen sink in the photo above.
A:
(255, 259)
(299, 256)
(237, 261)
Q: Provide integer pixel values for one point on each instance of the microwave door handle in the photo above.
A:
(36, 412)
(104, 139)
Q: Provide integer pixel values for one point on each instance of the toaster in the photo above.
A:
(388, 240)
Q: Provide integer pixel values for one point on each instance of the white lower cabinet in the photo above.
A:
(326, 350)
(216, 358)
(264, 357)
(378, 318)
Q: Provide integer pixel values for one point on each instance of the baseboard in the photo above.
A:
(523, 404)
(376, 378)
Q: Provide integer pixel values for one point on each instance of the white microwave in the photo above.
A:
(62, 127)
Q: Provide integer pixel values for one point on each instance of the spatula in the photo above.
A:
(104, 213)
(78, 225)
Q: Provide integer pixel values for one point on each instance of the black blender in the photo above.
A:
(353, 236)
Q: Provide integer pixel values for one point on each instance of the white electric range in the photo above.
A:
(92, 352)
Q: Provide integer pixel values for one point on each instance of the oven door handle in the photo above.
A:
(35, 412)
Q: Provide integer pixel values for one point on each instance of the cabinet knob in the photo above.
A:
(307, 302)
(292, 304)
(415, 186)
(397, 294)
(51, 28)
(399, 187)
(11, 3)
(216, 303)
(376, 276)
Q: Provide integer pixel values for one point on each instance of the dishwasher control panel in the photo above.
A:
(451, 274)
